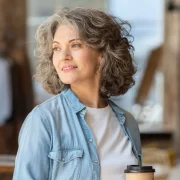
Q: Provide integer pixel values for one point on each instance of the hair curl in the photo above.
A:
(98, 30)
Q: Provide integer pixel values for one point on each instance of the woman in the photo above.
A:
(84, 58)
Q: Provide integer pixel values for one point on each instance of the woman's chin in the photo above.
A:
(67, 82)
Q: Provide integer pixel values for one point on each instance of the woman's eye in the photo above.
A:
(75, 45)
(56, 49)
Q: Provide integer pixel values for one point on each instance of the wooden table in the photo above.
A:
(7, 163)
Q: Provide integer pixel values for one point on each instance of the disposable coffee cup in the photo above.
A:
(137, 172)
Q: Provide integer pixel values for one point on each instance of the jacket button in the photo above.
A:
(90, 140)
(96, 161)
(63, 159)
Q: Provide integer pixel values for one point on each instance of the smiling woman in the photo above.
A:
(84, 57)
(74, 61)
(105, 33)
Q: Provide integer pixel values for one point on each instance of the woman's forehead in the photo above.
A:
(66, 32)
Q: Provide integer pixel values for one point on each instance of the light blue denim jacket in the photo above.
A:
(55, 142)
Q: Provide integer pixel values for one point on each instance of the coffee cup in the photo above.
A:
(137, 172)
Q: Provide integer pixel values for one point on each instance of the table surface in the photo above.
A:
(7, 163)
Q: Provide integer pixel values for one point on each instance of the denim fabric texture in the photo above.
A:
(55, 142)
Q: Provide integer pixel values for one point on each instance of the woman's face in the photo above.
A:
(73, 60)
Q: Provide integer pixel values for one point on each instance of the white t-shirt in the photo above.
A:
(114, 148)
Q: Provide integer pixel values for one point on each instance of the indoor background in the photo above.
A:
(154, 100)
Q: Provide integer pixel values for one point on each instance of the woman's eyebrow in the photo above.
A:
(71, 40)
(55, 42)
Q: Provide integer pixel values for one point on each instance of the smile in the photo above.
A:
(68, 68)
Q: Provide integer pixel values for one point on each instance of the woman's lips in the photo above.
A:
(68, 68)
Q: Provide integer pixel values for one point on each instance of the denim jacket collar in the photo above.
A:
(73, 100)
(118, 111)
(78, 106)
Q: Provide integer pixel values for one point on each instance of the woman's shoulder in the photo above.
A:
(45, 109)
(128, 115)
(120, 110)
(55, 103)
(129, 118)
(54, 100)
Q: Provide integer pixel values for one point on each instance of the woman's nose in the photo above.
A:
(66, 54)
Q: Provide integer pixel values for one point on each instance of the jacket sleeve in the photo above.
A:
(32, 162)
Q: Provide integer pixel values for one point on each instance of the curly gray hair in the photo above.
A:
(98, 30)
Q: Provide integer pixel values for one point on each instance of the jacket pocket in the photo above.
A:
(66, 164)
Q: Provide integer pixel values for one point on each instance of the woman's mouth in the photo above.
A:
(68, 68)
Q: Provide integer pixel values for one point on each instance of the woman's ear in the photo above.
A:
(101, 57)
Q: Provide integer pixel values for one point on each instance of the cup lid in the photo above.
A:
(138, 169)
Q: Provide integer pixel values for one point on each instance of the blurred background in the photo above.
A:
(154, 100)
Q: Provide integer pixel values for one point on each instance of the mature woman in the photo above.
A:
(80, 134)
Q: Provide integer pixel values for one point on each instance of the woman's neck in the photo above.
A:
(89, 96)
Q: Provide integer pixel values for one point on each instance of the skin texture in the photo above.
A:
(77, 65)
